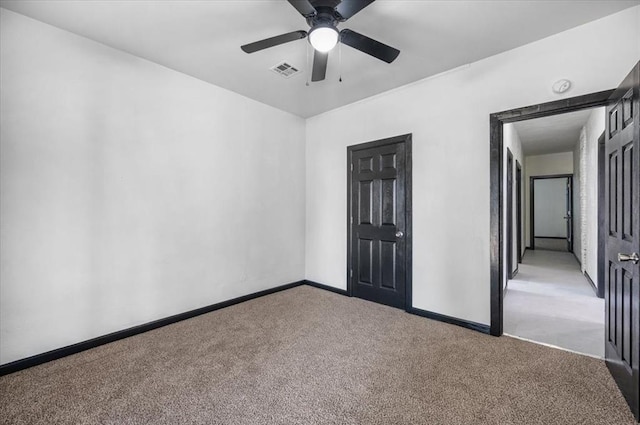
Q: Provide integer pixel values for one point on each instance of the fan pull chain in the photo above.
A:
(340, 61)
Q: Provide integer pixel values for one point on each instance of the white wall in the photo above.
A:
(131, 192)
(543, 165)
(448, 116)
(589, 193)
(578, 171)
(550, 208)
(511, 141)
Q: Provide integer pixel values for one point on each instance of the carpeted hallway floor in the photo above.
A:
(308, 356)
(551, 301)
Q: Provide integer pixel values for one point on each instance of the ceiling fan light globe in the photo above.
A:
(323, 39)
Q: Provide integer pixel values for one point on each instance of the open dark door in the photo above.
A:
(379, 257)
(569, 215)
(622, 197)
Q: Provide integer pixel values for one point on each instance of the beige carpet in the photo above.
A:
(308, 356)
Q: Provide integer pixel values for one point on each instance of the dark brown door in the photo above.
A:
(622, 298)
(379, 229)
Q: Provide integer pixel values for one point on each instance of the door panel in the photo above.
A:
(378, 183)
(622, 282)
(388, 202)
(627, 191)
(388, 264)
(365, 207)
(613, 193)
(365, 261)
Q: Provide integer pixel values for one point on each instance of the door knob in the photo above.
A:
(399, 234)
(625, 257)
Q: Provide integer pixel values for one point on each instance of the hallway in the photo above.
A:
(550, 301)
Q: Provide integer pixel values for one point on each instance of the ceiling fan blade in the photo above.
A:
(305, 8)
(319, 65)
(348, 8)
(273, 41)
(369, 46)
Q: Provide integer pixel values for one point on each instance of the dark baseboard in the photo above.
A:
(125, 333)
(514, 273)
(115, 336)
(451, 320)
(326, 287)
(419, 312)
(550, 237)
(593, 285)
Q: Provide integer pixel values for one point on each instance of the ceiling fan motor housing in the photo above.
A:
(325, 17)
(326, 7)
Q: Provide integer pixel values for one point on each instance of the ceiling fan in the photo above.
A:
(323, 16)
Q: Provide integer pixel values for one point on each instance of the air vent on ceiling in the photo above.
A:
(285, 69)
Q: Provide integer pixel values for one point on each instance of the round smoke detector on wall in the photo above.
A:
(561, 86)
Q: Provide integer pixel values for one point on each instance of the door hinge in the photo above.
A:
(351, 166)
(351, 219)
(351, 273)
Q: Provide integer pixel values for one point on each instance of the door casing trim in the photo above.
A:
(519, 213)
(408, 233)
(602, 217)
(496, 201)
(510, 185)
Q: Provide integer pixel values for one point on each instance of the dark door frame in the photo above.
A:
(532, 180)
(509, 215)
(406, 139)
(496, 158)
(518, 213)
(569, 224)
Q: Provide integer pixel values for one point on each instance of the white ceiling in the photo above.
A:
(557, 133)
(203, 39)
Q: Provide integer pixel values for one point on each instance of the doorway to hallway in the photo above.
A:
(551, 300)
